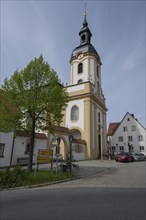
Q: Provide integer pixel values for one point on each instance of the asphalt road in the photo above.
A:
(97, 197)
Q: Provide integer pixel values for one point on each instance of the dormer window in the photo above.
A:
(80, 68)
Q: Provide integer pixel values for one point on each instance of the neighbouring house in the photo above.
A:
(128, 135)
(13, 148)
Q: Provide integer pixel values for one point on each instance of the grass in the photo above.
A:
(10, 178)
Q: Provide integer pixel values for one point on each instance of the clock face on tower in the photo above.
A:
(80, 56)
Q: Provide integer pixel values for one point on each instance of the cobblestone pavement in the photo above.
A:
(108, 174)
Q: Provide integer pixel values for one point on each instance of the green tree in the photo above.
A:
(32, 99)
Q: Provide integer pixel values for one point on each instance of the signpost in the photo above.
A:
(45, 156)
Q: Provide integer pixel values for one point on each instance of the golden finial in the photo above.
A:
(85, 10)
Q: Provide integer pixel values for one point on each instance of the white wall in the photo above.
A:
(19, 148)
(6, 138)
(79, 156)
(139, 131)
(80, 122)
(75, 88)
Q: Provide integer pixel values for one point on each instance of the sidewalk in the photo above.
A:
(91, 167)
(88, 167)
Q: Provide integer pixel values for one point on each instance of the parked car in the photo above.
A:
(143, 154)
(138, 156)
(124, 157)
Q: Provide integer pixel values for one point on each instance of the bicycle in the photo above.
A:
(65, 165)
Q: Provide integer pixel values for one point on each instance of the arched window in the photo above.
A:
(74, 113)
(80, 68)
(80, 81)
(83, 38)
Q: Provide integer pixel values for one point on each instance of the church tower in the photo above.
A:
(85, 114)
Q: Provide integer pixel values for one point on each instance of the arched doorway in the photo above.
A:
(63, 145)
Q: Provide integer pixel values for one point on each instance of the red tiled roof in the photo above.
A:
(60, 129)
(79, 141)
(112, 128)
(27, 134)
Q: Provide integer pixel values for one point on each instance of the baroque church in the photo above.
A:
(84, 118)
(85, 115)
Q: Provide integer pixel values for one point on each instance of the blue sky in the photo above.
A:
(50, 28)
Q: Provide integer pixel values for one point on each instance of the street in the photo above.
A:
(116, 193)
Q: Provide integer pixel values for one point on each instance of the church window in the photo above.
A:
(74, 113)
(80, 81)
(80, 68)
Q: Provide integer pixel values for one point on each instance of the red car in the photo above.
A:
(124, 157)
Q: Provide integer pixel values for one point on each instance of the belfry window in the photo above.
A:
(74, 113)
(80, 68)
(83, 38)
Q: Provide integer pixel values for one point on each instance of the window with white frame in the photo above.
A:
(121, 148)
(141, 148)
(124, 128)
(74, 113)
(140, 138)
(133, 128)
(2, 147)
(120, 139)
(130, 138)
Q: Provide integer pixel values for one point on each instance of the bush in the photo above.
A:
(12, 178)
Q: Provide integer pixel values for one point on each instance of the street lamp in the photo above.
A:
(57, 151)
(117, 148)
(70, 143)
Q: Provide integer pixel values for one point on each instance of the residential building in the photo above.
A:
(128, 135)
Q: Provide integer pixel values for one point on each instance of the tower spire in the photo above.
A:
(85, 23)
